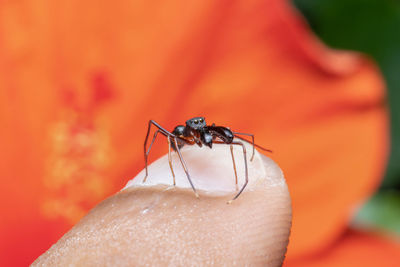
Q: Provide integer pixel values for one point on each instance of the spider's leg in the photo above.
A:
(146, 152)
(234, 168)
(245, 166)
(252, 141)
(170, 160)
(184, 166)
(246, 170)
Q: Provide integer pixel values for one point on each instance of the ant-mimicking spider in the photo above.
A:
(197, 132)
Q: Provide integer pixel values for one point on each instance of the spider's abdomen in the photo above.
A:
(223, 133)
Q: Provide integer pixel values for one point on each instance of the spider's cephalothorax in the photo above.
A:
(196, 131)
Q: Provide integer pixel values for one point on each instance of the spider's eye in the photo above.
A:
(196, 122)
(201, 120)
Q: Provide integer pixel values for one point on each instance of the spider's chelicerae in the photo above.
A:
(196, 131)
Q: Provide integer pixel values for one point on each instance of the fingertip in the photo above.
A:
(163, 225)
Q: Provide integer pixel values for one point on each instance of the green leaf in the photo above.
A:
(382, 211)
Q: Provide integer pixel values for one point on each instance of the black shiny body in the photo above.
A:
(197, 132)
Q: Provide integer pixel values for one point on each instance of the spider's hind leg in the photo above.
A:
(246, 171)
(252, 141)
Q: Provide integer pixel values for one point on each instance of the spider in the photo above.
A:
(197, 132)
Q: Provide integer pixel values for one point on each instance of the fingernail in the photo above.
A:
(211, 170)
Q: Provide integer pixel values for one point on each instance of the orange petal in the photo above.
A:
(354, 249)
(81, 80)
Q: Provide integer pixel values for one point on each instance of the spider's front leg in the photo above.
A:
(178, 150)
(175, 141)
(147, 151)
(170, 159)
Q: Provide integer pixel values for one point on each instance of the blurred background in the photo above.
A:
(315, 81)
(371, 27)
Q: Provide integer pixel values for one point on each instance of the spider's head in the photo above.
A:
(196, 123)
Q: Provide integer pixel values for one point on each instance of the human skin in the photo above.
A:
(154, 224)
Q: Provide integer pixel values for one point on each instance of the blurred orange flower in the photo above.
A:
(80, 79)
